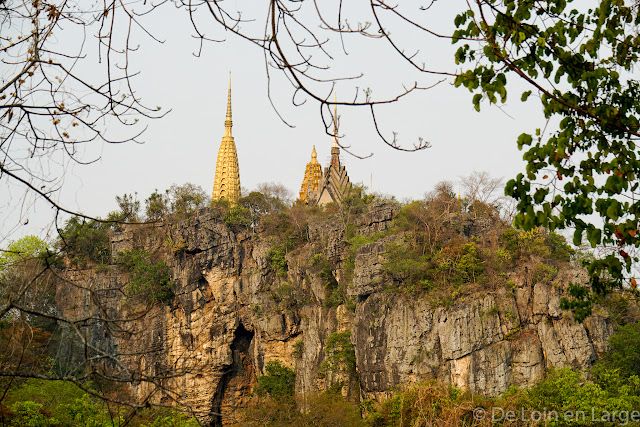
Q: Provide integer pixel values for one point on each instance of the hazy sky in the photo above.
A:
(182, 147)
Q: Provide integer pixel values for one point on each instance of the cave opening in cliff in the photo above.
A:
(237, 380)
(241, 341)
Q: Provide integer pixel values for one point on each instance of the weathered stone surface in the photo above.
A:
(231, 315)
(468, 327)
(367, 277)
(377, 218)
(599, 328)
(528, 363)
(328, 233)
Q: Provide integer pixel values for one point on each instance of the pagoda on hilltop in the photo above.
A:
(312, 178)
(334, 185)
(226, 184)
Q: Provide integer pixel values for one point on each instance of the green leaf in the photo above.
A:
(577, 237)
(476, 101)
(524, 139)
(594, 237)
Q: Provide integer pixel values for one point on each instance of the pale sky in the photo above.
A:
(182, 146)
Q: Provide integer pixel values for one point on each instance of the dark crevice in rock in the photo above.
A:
(236, 378)
(292, 336)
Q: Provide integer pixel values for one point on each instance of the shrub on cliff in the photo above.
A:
(279, 382)
(334, 292)
(128, 208)
(340, 356)
(152, 280)
(356, 202)
(442, 246)
(258, 205)
(157, 205)
(83, 241)
(277, 261)
(414, 271)
(288, 226)
(624, 351)
(238, 217)
(457, 263)
(429, 224)
(536, 243)
(250, 210)
(187, 198)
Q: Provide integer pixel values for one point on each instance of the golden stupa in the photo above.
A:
(226, 184)
(312, 177)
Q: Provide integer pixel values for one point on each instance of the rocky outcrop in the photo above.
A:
(232, 314)
(485, 343)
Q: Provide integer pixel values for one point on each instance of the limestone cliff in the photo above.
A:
(232, 314)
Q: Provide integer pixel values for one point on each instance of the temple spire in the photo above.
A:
(226, 184)
(335, 125)
(228, 123)
(335, 147)
(311, 180)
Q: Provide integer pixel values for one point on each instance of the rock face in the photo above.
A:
(232, 314)
(485, 343)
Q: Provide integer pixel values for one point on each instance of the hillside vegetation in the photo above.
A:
(441, 248)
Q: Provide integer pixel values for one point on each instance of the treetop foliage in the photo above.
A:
(27, 247)
(187, 198)
(578, 61)
(129, 209)
(84, 240)
(41, 403)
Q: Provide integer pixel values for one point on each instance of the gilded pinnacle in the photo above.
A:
(228, 123)
(311, 180)
(335, 124)
(226, 184)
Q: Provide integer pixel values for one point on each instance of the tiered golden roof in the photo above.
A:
(312, 177)
(226, 184)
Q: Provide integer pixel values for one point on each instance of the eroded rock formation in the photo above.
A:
(232, 314)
